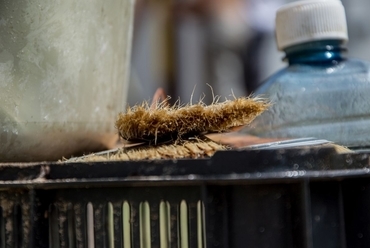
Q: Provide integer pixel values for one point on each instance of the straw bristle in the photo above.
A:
(175, 122)
(187, 149)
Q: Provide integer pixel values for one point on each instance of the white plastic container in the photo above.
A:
(63, 76)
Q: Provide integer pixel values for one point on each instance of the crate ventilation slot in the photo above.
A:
(127, 224)
(12, 226)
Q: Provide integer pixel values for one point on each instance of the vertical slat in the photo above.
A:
(90, 224)
(2, 229)
(80, 219)
(63, 224)
(71, 222)
(184, 225)
(109, 224)
(117, 224)
(174, 223)
(126, 225)
(164, 224)
(99, 224)
(201, 225)
(27, 210)
(154, 224)
(135, 224)
(145, 225)
(8, 218)
(193, 224)
(53, 226)
(17, 226)
(39, 218)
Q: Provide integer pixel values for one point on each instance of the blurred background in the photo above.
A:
(186, 46)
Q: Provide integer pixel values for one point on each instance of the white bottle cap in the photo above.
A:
(310, 20)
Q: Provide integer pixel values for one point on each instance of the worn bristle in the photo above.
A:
(187, 149)
(174, 122)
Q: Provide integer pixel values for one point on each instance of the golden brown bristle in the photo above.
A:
(195, 148)
(175, 122)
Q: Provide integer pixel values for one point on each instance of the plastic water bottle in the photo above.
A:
(321, 93)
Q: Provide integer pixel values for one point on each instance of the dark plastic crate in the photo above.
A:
(258, 198)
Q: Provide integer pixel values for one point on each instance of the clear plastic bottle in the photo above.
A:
(321, 93)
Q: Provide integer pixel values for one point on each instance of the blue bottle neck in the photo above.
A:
(325, 52)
